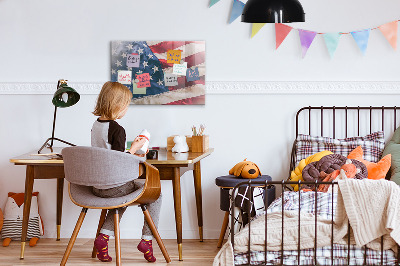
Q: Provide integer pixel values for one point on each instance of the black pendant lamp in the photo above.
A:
(273, 11)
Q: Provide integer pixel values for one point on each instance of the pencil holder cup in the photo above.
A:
(200, 143)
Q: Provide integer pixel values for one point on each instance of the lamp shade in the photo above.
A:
(273, 11)
(65, 96)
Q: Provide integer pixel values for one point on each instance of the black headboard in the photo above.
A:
(344, 121)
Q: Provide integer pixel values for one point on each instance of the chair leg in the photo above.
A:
(73, 237)
(223, 229)
(101, 222)
(117, 239)
(154, 230)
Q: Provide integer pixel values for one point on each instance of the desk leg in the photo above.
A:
(199, 204)
(27, 206)
(176, 182)
(60, 190)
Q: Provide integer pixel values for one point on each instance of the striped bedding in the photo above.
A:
(306, 202)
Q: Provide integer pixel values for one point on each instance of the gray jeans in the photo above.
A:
(154, 208)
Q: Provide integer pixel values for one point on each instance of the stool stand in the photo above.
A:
(223, 229)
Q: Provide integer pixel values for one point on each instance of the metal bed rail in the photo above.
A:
(265, 185)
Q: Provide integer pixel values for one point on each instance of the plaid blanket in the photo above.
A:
(323, 205)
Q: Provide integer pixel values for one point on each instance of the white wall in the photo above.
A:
(42, 41)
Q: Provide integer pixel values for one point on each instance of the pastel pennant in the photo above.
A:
(237, 9)
(213, 2)
(306, 39)
(281, 31)
(332, 41)
(361, 37)
(389, 30)
(256, 27)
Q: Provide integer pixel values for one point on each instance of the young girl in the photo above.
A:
(112, 104)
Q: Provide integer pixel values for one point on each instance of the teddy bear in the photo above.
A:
(180, 144)
(13, 215)
(245, 169)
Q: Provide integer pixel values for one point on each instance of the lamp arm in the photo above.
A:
(54, 126)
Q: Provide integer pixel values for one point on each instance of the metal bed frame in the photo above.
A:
(283, 184)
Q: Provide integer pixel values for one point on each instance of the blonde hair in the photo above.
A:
(112, 99)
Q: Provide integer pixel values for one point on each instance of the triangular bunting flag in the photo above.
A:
(213, 2)
(389, 30)
(281, 31)
(361, 37)
(332, 41)
(256, 27)
(237, 9)
(306, 39)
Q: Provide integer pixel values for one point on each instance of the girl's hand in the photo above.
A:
(143, 155)
(137, 144)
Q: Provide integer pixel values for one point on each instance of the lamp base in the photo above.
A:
(50, 146)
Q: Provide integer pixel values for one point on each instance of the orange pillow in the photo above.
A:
(375, 170)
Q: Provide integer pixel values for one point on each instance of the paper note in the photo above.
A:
(136, 90)
(174, 56)
(170, 79)
(124, 76)
(192, 74)
(133, 60)
(144, 80)
(179, 69)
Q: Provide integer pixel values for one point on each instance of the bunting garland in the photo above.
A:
(306, 39)
(213, 2)
(237, 8)
(361, 37)
(281, 31)
(256, 27)
(389, 30)
(332, 41)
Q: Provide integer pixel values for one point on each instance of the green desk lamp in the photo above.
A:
(65, 96)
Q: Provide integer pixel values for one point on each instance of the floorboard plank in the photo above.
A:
(49, 252)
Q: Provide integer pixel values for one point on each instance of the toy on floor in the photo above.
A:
(13, 215)
(180, 144)
(1, 219)
(245, 169)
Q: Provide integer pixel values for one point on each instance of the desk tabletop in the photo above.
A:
(164, 157)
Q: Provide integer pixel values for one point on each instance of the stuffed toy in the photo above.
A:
(328, 164)
(348, 170)
(180, 144)
(296, 174)
(1, 220)
(13, 215)
(375, 170)
(245, 169)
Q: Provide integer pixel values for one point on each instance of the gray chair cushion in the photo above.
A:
(84, 196)
(99, 167)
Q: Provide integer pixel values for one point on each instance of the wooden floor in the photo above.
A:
(50, 252)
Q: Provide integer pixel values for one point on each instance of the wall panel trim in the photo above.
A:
(231, 87)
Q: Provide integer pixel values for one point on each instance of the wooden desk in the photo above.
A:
(171, 167)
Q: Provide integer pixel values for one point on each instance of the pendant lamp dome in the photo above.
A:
(273, 11)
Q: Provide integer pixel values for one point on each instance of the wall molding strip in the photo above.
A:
(231, 87)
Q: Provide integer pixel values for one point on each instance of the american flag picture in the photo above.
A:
(181, 82)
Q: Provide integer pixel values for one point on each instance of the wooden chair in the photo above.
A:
(85, 167)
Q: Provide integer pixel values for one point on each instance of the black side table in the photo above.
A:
(226, 183)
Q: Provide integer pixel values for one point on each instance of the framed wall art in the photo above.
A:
(161, 72)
